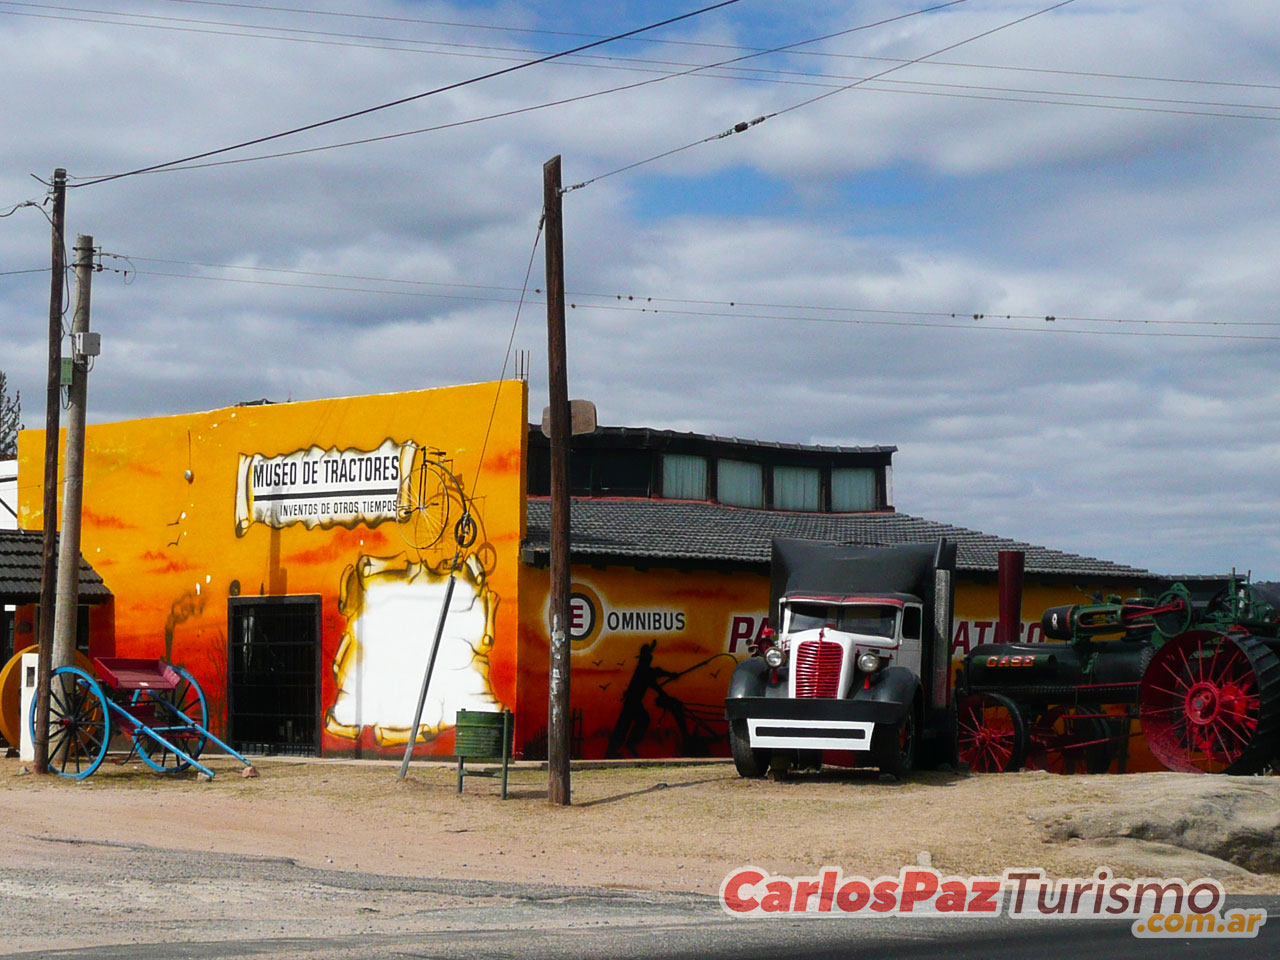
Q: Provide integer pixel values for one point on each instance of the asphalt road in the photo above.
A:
(92, 900)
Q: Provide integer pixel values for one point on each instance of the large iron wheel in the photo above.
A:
(1210, 703)
(1069, 740)
(79, 728)
(991, 733)
(183, 704)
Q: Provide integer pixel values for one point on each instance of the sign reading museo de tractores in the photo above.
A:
(321, 488)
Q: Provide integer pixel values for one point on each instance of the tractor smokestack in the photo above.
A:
(1009, 629)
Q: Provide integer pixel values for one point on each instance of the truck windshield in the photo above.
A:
(871, 619)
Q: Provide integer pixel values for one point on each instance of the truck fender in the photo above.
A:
(896, 685)
(749, 679)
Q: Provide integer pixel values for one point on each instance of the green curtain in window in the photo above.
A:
(797, 488)
(853, 489)
(740, 484)
(684, 477)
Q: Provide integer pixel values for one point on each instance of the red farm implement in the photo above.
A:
(160, 709)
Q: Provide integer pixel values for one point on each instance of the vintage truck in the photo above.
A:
(855, 670)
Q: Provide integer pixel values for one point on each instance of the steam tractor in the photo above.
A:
(1199, 667)
(857, 671)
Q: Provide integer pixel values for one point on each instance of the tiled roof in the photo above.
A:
(691, 532)
(20, 566)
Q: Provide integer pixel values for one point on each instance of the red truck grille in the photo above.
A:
(817, 668)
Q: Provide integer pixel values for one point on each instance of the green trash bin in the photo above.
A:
(483, 735)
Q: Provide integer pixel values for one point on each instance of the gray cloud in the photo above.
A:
(1154, 451)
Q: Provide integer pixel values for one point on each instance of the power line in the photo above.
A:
(753, 74)
(1034, 97)
(640, 64)
(642, 304)
(744, 125)
(14, 273)
(497, 394)
(824, 54)
(180, 165)
(417, 96)
(18, 206)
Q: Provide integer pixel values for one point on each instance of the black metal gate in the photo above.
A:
(273, 674)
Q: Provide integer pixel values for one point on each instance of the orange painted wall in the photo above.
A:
(173, 550)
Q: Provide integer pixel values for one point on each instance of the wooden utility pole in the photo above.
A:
(68, 600)
(52, 406)
(558, 790)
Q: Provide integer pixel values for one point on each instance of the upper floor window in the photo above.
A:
(797, 488)
(684, 477)
(740, 484)
(853, 489)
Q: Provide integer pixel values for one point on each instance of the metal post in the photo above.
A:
(49, 516)
(68, 601)
(558, 734)
(426, 677)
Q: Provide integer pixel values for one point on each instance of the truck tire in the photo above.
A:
(893, 746)
(749, 762)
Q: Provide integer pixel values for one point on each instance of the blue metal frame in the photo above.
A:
(156, 697)
(154, 734)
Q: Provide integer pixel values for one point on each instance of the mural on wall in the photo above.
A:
(185, 514)
(392, 606)
(651, 656)
(700, 725)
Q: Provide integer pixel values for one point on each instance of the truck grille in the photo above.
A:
(818, 668)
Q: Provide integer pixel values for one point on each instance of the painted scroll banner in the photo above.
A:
(321, 488)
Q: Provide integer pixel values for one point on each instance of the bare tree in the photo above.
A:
(10, 419)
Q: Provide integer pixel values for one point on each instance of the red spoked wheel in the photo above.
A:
(991, 734)
(1069, 740)
(1210, 703)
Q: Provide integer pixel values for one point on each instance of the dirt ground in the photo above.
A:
(665, 827)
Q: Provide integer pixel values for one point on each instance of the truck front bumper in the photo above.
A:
(818, 724)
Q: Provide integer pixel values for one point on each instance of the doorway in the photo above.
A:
(273, 675)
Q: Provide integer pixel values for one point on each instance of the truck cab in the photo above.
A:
(833, 643)
(859, 671)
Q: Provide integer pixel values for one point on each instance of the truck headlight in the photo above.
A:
(868, 662)
(775, 657)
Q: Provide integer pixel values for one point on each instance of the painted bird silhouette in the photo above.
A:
(596, 663)
(605, 686)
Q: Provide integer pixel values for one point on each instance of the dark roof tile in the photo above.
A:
(21, 554)
(691, 531)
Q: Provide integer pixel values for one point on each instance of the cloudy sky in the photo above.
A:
(813, 279)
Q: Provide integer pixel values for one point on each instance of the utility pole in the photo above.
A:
(52, 406)
(558, 749)
(68, 600)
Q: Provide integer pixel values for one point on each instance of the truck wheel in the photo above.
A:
(749, 762)
(893, 746)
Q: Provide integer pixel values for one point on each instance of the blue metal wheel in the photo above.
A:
(79, 726)
(181, 717)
